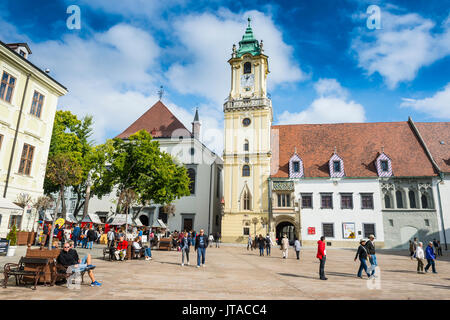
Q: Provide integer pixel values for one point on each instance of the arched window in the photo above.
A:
(246, 199)
(191, 174)
(412, 199)
(424, 200)
(246, 145)
(246, 171)
(387, 201)
(399, 198)
(247, 67)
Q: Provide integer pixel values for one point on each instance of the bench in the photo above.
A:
(48, 254)
(165, 244)
(26, 268)
(62, 274)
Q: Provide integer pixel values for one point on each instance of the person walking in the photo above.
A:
(185, 245)
(439, 249)
(76, 235)
(91, 236)
(261, 243)
(322, 256)
(217, 238)
(436, 246)
(362, 254)
(430, 256)
(201, 243)
(411, 249)
(297, 248)
(420, 255)
(111, 235)
(249, 243)
(211, 240)
(269, 244)
(285, 246)
(370, 247)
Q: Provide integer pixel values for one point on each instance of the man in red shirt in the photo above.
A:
(121, 250)
(322, 256)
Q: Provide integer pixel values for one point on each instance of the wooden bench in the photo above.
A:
(62, 274)
(165, 244)
(27, 268)
(48, 254)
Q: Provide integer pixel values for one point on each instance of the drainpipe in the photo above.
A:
(270, 204)
(210, 185)
(15, 136)
(441, 175)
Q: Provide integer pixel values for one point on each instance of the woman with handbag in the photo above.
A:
(362, 254)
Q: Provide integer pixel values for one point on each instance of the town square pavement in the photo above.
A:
(232, 272)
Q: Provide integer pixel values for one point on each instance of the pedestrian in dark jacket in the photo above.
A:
(430, 256)
(91, 236)
(185, 245)
(261, 243)
(201, 243)
(370, 247)
(76, 235)
(362, 254)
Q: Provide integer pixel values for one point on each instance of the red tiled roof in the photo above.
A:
(358, 144)
(159, 122)
(433, 133)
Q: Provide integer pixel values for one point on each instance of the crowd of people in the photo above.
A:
(430, 253)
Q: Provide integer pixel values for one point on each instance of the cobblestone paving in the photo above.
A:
(232, 272)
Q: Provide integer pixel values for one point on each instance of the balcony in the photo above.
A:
(244, 104)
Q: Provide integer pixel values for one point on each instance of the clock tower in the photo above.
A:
(247, 155)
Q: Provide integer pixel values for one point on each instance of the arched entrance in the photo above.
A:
(287, 228)
(144, 219)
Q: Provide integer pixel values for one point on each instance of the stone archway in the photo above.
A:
(286, 224)
(144, 219)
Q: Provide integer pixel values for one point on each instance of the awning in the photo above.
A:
(9, 207)
(92, 217)
(159, 224)
(120, 219)
(71, 218)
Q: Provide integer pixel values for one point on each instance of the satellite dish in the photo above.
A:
(47, 70)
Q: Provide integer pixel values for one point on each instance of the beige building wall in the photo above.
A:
(33, 130)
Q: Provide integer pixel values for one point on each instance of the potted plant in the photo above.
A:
(12, 237)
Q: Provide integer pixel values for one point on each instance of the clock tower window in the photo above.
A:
(247, 67)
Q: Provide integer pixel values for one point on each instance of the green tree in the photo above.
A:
(143, 173)
(62, 170)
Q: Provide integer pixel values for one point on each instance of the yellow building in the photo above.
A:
(28, 99)
(247, 155)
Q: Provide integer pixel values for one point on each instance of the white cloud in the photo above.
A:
(405, 44)
(106, 75)
(332, 106)
(207, 40)
(437, 106)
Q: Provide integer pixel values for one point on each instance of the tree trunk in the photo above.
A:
(86, 201)
(126, 220)
(50, 241)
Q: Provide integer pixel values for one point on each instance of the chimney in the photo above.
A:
(196, 126)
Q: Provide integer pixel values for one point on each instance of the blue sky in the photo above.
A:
(326, 65)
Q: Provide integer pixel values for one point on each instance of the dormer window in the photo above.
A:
(295, 167)
(247, 67)
(383, 165)
(336, 166)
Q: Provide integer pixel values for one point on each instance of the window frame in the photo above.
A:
(296, 165)
(284, 200)
(192, 183)
(401, 198)
(37, 104)
(374, 230)
(346, 194)
(245, 67)
(245, 169)
(332, 228)
(7, 85)
(28, 161)
(243, 231)
(337, 162)
(362, 195)
(322, 194)
(310, 195)
(386, 162)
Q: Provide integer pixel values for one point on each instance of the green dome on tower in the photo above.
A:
(248, 44)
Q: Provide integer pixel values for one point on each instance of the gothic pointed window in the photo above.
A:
(399, 198)
(387, 201)
(246, 171)
(412, 199)
(424, 201)
(247, 67)
(246, 198)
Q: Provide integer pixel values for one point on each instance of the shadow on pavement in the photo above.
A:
(438, 286)
(297, 276)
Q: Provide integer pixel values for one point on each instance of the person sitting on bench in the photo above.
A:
(69, 258)
(121, 250)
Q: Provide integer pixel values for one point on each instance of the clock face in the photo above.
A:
(247, 80)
